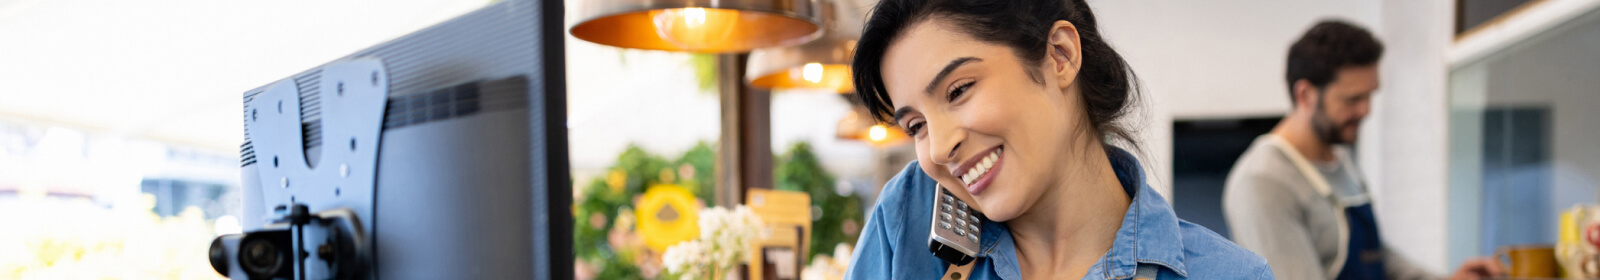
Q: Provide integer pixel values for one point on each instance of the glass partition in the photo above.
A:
(1524, 138)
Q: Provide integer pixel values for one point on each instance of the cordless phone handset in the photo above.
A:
(954, 234)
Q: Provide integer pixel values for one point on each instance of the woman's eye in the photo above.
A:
(913, 129)
(960, 90)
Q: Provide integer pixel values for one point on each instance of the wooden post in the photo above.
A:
(744, 150)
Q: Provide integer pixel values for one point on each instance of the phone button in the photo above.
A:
(962, 223)
(974, 218)
(944, 225)
(961, 232)
(945, 216)
(962, 204)
(946, 207)
(973, 228)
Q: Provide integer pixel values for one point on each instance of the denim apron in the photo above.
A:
(1365, 260)
(1362, 256)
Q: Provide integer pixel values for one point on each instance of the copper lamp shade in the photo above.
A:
(704, 26)
(820, 64)
(858, 126)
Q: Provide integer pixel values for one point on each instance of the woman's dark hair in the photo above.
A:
(1328, 46)
(1107, 82)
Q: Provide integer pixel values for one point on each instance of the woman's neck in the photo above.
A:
(1074, 223)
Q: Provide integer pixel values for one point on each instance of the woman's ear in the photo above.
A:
(1065, 53)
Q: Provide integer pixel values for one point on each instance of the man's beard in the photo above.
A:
(1325, 128)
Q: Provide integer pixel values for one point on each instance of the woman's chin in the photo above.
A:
(998, 211)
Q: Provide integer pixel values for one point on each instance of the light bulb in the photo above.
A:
(696, 28)
(812, 72)
(877, 133)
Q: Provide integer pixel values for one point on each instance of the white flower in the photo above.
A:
(724, 237)
(687, 258)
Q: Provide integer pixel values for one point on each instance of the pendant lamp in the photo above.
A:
(703, 26)
(820, 64)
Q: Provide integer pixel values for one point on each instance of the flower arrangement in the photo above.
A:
(724, 237)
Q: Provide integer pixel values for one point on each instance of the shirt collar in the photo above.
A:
(1149, 233)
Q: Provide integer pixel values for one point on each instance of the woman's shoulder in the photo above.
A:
(910, 188)
(1210, 256)
(893, 244)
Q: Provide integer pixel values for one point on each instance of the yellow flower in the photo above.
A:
(617, 180)
(667, 215)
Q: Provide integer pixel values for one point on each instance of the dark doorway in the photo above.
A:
(1203, 151)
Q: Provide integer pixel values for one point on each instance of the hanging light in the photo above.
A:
(858, 126)
(820, 64)
(706, 26)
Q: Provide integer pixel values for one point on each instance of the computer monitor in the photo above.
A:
(469, 178)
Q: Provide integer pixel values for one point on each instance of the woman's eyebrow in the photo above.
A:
(951, 67)
(901, 113)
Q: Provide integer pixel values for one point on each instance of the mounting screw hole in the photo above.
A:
(340, 88)
(274, 161)
(374, 78)
(335, 191)
(253, 114)
(280, 106)
(352, 144)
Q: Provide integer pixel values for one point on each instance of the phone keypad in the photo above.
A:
(954, 211)
(955, 234)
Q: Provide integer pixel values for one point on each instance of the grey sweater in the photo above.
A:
(1275, 210)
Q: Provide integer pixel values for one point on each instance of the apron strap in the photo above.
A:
(959, 272)
(1321, 185)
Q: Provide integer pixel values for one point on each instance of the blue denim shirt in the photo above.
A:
(894, 244)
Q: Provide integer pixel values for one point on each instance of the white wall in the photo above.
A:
(1404, 141)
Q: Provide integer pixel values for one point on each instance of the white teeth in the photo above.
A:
(982, 167)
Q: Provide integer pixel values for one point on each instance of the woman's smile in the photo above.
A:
(977, 173)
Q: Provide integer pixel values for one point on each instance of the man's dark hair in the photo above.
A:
(1328, 46)
(1024, 26)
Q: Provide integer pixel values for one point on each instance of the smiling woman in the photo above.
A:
(1013, 107)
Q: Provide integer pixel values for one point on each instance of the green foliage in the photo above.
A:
(704, 161)
(705, 71)
(799, 170)
(601, 199)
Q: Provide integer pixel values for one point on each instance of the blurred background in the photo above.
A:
(120, 130)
